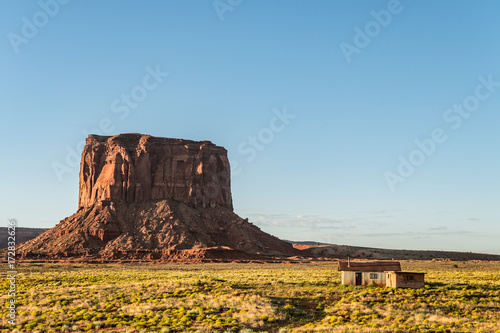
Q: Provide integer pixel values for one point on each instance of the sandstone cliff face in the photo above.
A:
(134, 168)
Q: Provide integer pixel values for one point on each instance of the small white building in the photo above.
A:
(364, 273)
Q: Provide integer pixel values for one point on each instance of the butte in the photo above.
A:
(150, 198)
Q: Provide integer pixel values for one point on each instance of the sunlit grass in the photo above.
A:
(458, 297)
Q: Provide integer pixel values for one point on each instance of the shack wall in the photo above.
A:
(405, 280)
(379, 281)
(349, 278)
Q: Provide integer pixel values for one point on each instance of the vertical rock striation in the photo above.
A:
(134, 168)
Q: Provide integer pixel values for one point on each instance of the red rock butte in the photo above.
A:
(144, 197)
(134, 168)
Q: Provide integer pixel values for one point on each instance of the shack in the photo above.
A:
(364, 273)
(405, 280)
(379, 273)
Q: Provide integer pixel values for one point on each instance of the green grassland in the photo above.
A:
(308, 297)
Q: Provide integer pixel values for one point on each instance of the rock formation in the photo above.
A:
(134, 168)
(152, 198)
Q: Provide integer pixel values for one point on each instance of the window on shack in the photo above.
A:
(410, 277)
(373, 276)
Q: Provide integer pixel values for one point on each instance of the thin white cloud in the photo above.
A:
(411, 234)
(304, 221)
(316, 223)
(441, 227)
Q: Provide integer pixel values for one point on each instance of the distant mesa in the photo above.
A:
(22, 235)
(145, 197)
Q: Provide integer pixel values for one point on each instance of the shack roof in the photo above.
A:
(372, 266)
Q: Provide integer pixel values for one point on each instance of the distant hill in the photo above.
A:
(307, 242)
(319, 250)
(315, 249)
(22, 235)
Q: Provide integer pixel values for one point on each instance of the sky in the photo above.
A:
(365, 123)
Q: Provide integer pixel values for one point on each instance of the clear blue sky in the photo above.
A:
(363, 79)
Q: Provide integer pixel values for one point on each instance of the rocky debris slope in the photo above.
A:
(147, 197)
(155, 226)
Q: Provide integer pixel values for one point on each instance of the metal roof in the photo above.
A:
(372, 266)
